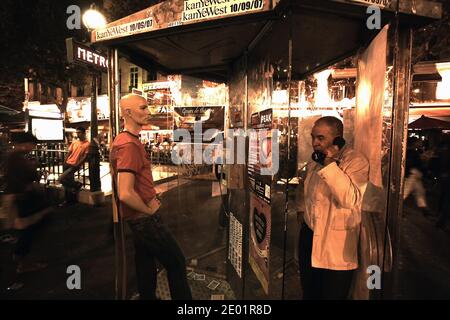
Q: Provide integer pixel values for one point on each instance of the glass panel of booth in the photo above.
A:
(197, 208)
(264, 210)
(355, 90)
(268, 129)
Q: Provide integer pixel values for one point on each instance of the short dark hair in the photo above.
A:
(334, 123)
(81, 129)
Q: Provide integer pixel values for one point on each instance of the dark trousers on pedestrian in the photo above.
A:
(153, 241)
(320, 284)
(24, 241)
(68, 181)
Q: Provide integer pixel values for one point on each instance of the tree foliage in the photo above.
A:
(33, 46)
(118, 9)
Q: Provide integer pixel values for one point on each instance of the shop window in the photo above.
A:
(120, 80)
(134, 76)
(151, 75)
(80, 91)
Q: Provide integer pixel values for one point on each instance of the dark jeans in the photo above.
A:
(24, 240)
(68, 182)
(320, 284)
(28, 204)
(152, 240)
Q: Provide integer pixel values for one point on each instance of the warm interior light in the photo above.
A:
(364, 94)
(280, 97)
(443, 87)
(322, 98)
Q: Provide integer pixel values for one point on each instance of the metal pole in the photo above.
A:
(402, 81)
(94, 156)
(114, 122)
(288, 158)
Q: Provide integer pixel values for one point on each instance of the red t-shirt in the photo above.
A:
(78, 150)
(128, 155)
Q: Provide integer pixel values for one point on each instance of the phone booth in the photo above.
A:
(285, 64)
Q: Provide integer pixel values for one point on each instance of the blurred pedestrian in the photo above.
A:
(414, 169)
(27, 203)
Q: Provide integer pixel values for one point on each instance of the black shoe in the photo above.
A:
(427, 212)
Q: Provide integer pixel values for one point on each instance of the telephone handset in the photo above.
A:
(319, 157)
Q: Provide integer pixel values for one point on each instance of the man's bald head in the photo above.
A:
(134, 109)
(131, 101)
(333, 123)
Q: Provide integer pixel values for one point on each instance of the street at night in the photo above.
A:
(261, 152)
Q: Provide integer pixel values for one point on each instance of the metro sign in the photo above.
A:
(82, 54)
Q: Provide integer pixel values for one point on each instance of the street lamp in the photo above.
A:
(92, 19)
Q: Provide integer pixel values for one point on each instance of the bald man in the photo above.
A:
(139, 206)
(335, 183)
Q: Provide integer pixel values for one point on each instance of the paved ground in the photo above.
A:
(424, 271)
(82, 235)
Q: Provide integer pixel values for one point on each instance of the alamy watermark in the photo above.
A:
(374, 20)
(263, 145)
(74, 280)
(74, 19)
(374, 279)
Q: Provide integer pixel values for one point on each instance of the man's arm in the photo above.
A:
(128, 195)
(83, 156)
(347, 186)
(81, 161)
(70, 152)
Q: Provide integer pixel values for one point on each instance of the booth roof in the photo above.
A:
(324, 32)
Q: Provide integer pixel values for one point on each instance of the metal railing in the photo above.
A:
(51, 158)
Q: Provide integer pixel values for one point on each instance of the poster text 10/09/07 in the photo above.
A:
(204, 9)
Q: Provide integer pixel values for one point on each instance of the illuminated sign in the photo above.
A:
(82, 54)
(379, 3)
(206, 9)
(174, 13)
(126, 29)
(47, 129)
(79, 109)
(35, 109)
(157, 85)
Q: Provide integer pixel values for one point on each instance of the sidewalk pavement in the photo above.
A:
(83, 235)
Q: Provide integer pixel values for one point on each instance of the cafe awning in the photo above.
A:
(172, 38)
(425, 123)
(8, 111)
